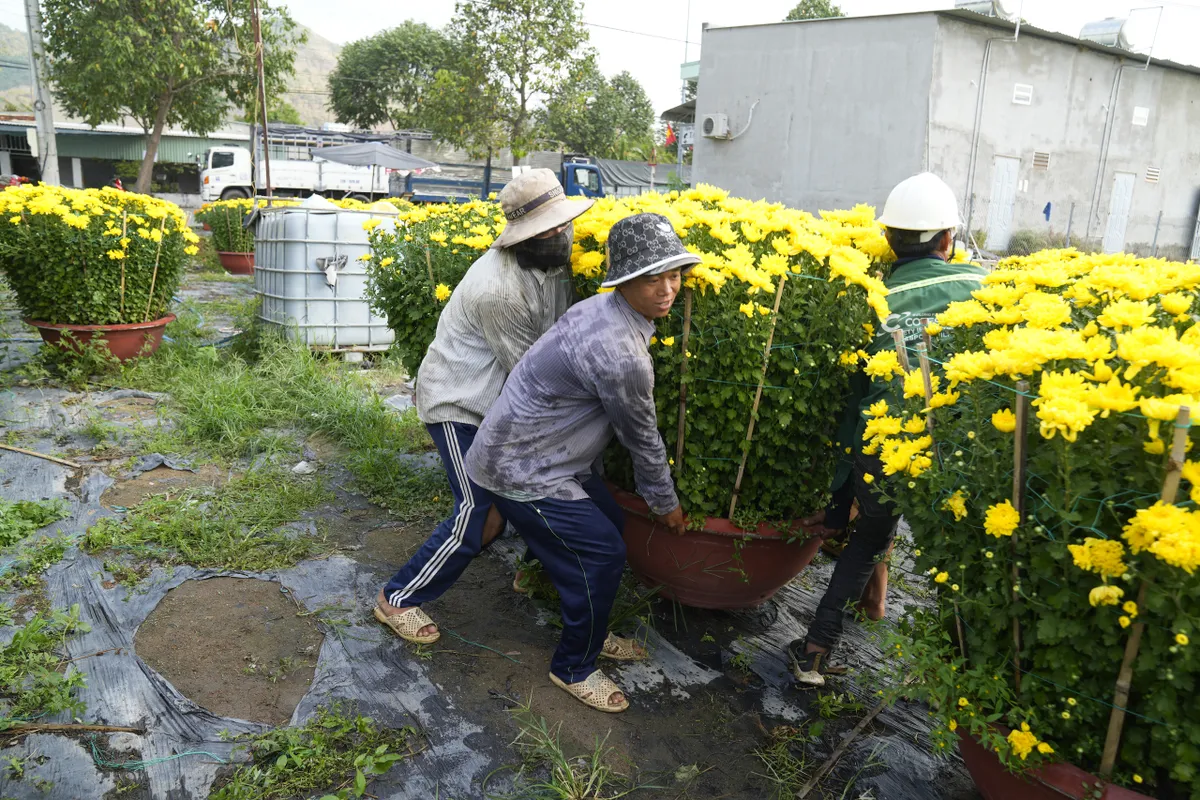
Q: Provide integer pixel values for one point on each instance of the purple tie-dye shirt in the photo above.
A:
(588, 377)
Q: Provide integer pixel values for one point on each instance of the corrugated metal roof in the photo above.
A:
(971, 17)
(123, 146)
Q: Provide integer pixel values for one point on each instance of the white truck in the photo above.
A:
(227, 173)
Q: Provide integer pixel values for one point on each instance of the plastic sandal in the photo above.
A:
(407, 623)
(619, 649)
(593, 691)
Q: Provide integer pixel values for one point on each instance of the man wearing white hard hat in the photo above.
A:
(509, 297)
(921, 216)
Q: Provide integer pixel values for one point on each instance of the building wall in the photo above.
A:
(1067, 117)
(841, 115)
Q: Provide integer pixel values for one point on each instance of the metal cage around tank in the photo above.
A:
(294, 246)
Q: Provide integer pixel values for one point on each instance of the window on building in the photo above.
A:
(1152, 174)
(1041, 160)
(1022, 94)
(1141, 115)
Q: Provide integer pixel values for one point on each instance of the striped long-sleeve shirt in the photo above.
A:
(496, 313)
(589, 377)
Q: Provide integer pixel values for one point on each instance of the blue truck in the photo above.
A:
(579, 175)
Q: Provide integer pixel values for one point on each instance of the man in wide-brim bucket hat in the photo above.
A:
(588, 378)
(509, 297)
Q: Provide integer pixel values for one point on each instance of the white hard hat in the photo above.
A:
(921, 203)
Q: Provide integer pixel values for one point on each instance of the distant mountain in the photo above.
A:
(309, 87)
(16, 89)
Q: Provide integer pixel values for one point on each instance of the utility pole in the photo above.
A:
(262, 90)
(43, 104)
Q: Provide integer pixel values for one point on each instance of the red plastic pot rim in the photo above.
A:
(716, 526)
(128, 326)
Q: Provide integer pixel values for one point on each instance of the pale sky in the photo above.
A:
(654, 59)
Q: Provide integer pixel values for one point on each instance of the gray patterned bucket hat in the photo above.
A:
(644, 244)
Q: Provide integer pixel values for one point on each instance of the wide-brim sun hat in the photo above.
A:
(533, 203)
(644, 244)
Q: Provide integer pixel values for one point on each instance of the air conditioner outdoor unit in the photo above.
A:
(715, 126)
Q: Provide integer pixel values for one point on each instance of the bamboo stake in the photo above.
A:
(124, 227)
(1018, 501)
(927, 379)
(839, 752)
(737, 486)
(1116, 720)
(23, 451)
(429, 266)
(32, 727)
(154, 276)
(901, 349)
(683, 387)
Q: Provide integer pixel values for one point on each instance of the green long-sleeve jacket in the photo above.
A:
(918, 290)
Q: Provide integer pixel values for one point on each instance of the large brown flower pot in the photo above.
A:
(1051, 782)
(719, 566)
(237, 263)
(126, 342)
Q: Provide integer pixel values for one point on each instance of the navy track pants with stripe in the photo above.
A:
(449, 549)
(580, 546)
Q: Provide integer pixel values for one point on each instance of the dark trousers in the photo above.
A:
(580, 546)
(441, 560)
(870, 540)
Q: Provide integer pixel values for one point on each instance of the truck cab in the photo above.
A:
(580, 177)
(224, 172)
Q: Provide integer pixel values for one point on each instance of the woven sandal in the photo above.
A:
(619, 649)
(593, 691)
(407, 623)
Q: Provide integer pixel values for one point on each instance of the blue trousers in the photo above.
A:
(449, 549)
(580, 546)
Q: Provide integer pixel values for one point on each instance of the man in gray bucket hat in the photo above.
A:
(507, 299)
(588, 378)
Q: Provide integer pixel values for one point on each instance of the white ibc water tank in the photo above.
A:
(308, 274)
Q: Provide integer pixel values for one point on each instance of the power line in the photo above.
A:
(639, 33)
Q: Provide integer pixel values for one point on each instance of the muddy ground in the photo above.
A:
(189, 654)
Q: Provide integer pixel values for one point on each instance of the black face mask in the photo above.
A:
(546, 254)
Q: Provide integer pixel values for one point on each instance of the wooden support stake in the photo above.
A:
(36, 454)
(683, 387)
(46, 727)
(737, 486)
(839, 752)
(901, 349)
(1018, 501)
(429, 266)
(124, 226)
(927, 379)
(1116, 720)
(157, 255)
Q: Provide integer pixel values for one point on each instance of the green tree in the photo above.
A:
(814, 9)
(278, 110)
(507, 52)
(162, 62)
(598, 116)
(384, 78)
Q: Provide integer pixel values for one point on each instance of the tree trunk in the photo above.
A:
(146, 172)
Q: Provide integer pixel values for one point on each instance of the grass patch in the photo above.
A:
(237, 526)
(785, 758)
(19, 519)
(547, 773)
(231, 404)
(30, 561)
(35, 678)
(336, 752)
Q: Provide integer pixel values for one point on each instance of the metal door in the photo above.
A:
(1118, 212)
(1000, 206)
(1195, 254)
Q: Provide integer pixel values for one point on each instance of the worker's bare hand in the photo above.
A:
(674, 521)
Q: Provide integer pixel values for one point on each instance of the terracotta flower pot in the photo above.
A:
(237, 263)
(720, 566)
(123, 341)
(206, 226)
(1051, 782)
